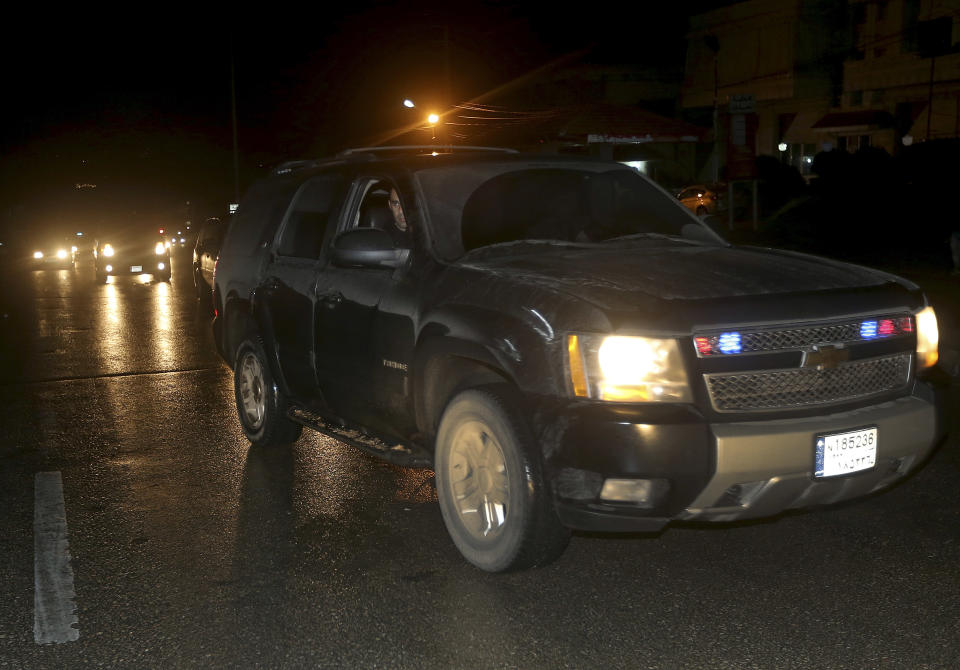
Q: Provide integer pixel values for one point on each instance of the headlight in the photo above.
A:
(61, 253)
(159, 249)
(107, 250)
(627, 369)
(38, 255)
(928, 338)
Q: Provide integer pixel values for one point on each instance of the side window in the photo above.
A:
(382, 207)
(257, 218)
(306, 222)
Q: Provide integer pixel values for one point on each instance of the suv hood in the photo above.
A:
(611, 277)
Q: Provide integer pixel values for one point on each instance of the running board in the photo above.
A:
(399, 454)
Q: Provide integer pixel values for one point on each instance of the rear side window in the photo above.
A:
(311, 210)
(258, 216)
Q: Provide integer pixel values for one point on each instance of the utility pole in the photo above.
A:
(233, 114)
(933, 60)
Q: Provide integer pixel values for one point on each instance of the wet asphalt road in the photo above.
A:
(189, 549)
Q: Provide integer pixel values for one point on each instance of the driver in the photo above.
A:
(393, 201)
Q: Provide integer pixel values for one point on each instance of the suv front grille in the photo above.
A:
(807, 387)
(797, 338)
(758, 340)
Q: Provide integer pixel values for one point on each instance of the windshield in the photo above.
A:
(480, 205)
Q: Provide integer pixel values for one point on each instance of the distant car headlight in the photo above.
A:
(61, 253)
(38, 255)
(928, 338)
(160, 249)
(107, 250)
(627, 369)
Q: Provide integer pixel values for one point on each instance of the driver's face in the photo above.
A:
(398, 217)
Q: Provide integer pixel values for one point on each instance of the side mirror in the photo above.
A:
(365, 247)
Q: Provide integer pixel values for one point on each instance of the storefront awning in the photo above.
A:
(852, 122)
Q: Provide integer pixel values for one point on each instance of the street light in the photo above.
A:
(408, 103)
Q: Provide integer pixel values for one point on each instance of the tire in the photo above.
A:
(261, 406)
(493, 496)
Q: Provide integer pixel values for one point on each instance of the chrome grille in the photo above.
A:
(797, 338)
(803, 337)
(807, 387)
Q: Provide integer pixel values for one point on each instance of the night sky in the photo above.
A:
(140, 103)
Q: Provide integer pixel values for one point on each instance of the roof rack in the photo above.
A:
(293, 166)
(429, 148)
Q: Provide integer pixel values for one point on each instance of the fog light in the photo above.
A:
(642, 492)
(109, 268)
(160, 266)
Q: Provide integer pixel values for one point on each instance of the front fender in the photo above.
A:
(463, 346)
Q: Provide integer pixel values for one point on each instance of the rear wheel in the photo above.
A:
(490, 483)
(261, 405)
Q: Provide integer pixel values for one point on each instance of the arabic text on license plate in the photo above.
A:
(845, 453)
(136, 268)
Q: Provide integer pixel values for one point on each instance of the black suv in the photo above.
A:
(565, 345)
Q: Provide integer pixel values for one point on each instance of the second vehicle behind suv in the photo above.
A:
(132, 251)
(565, 345)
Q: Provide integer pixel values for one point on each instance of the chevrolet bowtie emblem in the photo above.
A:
(825, 356)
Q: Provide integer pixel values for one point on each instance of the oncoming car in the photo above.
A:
(132, 252)
(564, 346)
(59, 254)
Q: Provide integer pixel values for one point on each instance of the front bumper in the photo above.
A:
(134, 266)
(52, 262)
(711, 471)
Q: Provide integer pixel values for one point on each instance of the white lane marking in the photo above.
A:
(54, 617)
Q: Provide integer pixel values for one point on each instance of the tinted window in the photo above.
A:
(306, 222)
(258, 216)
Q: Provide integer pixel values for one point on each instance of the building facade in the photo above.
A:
(827, 74)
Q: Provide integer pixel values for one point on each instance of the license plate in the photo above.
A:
(845, 453)
(136, 268)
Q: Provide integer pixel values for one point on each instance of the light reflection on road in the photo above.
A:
(163, 350)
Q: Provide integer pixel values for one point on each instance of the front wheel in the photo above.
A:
(493, 496)
(261, 406)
